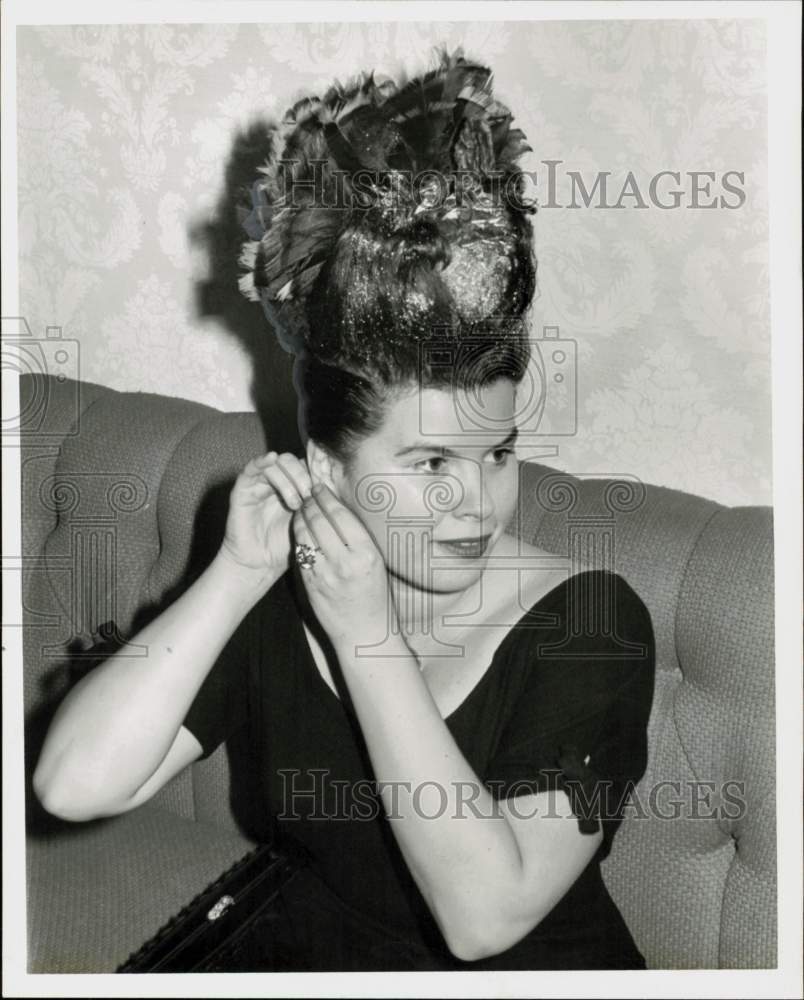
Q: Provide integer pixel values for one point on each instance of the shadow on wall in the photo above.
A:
(218, 296)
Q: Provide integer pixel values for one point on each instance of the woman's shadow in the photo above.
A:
(220, 239)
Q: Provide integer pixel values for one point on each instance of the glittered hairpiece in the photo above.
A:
(432, 155)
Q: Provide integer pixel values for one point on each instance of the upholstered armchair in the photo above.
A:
(124, 499)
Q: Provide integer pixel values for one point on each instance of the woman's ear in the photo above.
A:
(323, 467)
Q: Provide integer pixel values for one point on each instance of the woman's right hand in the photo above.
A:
(117, 737)
(261, 506)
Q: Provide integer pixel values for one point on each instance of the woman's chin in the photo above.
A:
(453, 575)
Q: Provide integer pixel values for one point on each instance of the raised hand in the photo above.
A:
(347, 583)
(261, 505)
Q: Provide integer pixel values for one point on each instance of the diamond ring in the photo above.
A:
(305, 554)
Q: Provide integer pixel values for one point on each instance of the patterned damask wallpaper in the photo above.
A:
(133, 138)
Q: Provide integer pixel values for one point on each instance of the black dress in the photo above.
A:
(564, 704)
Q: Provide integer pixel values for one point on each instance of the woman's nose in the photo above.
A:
(476, 502)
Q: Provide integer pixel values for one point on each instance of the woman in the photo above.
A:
(455, 764)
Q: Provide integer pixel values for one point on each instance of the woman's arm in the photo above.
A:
(117, 737)
(119, 725)
(489, 871)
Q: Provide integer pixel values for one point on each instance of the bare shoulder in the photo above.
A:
(533, 572)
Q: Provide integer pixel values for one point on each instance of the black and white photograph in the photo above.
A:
(402, 495)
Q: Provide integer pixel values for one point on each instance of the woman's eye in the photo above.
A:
(501, 455)
(426, 465)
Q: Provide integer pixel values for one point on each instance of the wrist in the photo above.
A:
(359, 649)
(240, 582)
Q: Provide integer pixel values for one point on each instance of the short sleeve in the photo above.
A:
(221, 703)
(580, 719)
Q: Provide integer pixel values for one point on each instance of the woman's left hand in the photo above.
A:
(347, 585)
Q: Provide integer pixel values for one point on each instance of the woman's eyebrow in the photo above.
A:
(441, 450)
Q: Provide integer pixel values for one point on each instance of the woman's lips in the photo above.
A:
(469, 548)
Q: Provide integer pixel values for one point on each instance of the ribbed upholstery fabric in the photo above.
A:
(94, 565)
(721, 642)
(56, 415)
(697, 892)
(153, 474)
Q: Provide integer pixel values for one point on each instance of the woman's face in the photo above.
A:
(436, 486)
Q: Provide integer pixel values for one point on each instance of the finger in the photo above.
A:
(283, 486)
(350, 528)
(321, 528)
(325, 513)
(253, 469)
(301, 531)
(257, 492)
(297, 473)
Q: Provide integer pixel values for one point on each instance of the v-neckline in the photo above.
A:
(495, 657)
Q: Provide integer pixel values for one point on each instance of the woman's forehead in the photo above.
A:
(476, 415)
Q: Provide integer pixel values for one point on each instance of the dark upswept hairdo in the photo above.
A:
(391, 244)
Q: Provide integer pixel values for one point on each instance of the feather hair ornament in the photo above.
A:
(415, 162)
